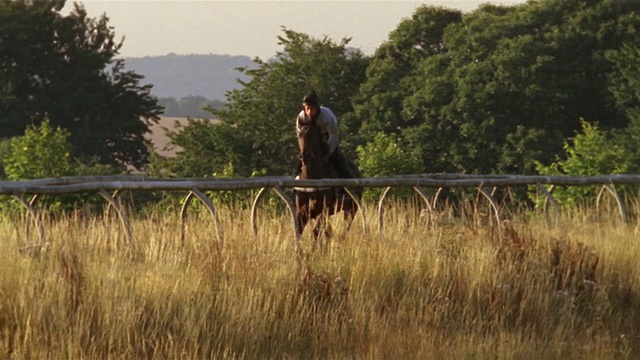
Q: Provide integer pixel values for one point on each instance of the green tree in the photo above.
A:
(257, 127)
(510, 84)
(64, 68)
(379, 105)
(42, 152)
(204, 147)
(387, 155)
(625, 87)
(5, 150)
(590, 152)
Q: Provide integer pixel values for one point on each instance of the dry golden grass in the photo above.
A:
(444, 288)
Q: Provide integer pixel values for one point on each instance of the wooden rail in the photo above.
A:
(110, 186)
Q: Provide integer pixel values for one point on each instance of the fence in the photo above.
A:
(110, 186)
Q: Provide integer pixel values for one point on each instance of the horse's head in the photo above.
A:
(311, 154)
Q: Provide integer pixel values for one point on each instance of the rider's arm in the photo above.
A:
(299, 121)
(330, 124)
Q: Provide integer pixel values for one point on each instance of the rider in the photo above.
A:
(327, 123)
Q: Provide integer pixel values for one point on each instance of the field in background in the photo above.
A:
(444, 287)
(158, 135)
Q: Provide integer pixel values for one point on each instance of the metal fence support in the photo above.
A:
(183, 215)
(288, 202)
(31, 211)
(383, 197)
(209, 204)
(494, 206)
(102, 184)
(123, 217)
(549, 199)
(360, 207)
(621, 208)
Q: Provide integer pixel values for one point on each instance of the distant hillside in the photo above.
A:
(179, 76)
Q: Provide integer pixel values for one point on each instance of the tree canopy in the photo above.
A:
(509, 85)
(257, 128)
(501, 89)
(496, 90)
(65, 69)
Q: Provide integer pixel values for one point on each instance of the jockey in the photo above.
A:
(327, 123)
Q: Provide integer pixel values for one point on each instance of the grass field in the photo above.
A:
(446, 287)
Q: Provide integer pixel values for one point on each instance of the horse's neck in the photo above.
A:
(326, 172)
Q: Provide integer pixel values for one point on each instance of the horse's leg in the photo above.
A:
(303, 219)
(331, 206)
(349, 209)
(317, 231)
(303, 213)
(349, 216)
(328, 232)
(321, 231)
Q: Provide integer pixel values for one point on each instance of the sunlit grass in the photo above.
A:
(446, 285)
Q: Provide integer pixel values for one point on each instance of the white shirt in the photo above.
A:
(326, 122)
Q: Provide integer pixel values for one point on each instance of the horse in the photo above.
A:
(319, 203)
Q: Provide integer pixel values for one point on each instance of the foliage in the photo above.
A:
(65, 70)
(203, 147)
(386, 155)
(506, 86)
(233, 198)
(496, 90)
(43, 152)
(378, 106)
(257, 129)
(5, 150)
(164, 202)
(591, 152)
(625, 87)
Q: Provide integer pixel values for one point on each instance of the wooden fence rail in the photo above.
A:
(110, 186)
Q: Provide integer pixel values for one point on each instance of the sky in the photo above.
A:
(251, 28)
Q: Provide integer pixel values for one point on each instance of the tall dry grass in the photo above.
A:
(445, 286)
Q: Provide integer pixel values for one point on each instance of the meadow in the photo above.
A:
(448, 286)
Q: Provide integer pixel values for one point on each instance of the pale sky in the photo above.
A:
(251, 28)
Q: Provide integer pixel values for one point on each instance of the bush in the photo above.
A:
(44, 152)
(387, 155)
(590, 153)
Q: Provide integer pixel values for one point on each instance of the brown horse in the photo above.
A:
(318, 203)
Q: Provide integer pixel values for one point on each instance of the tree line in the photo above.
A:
(502, 89)
(547, 86)
(189, 106)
